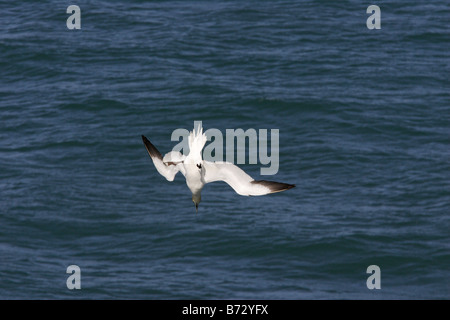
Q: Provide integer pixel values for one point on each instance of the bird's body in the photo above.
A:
(199, 172)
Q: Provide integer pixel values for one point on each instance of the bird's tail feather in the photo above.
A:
(197, 140)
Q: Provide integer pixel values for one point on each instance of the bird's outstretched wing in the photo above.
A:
(168, 166)
(241, 182)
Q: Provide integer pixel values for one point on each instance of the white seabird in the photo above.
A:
(199, 172)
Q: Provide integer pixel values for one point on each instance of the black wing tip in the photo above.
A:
(286, 186)
(290, 186)
(151, 149)
(274, 186)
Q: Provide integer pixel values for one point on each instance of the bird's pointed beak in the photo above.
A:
(196, 208)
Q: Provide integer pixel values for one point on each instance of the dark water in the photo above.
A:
(364, 134)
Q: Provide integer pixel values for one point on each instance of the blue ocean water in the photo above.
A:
(363, 119)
